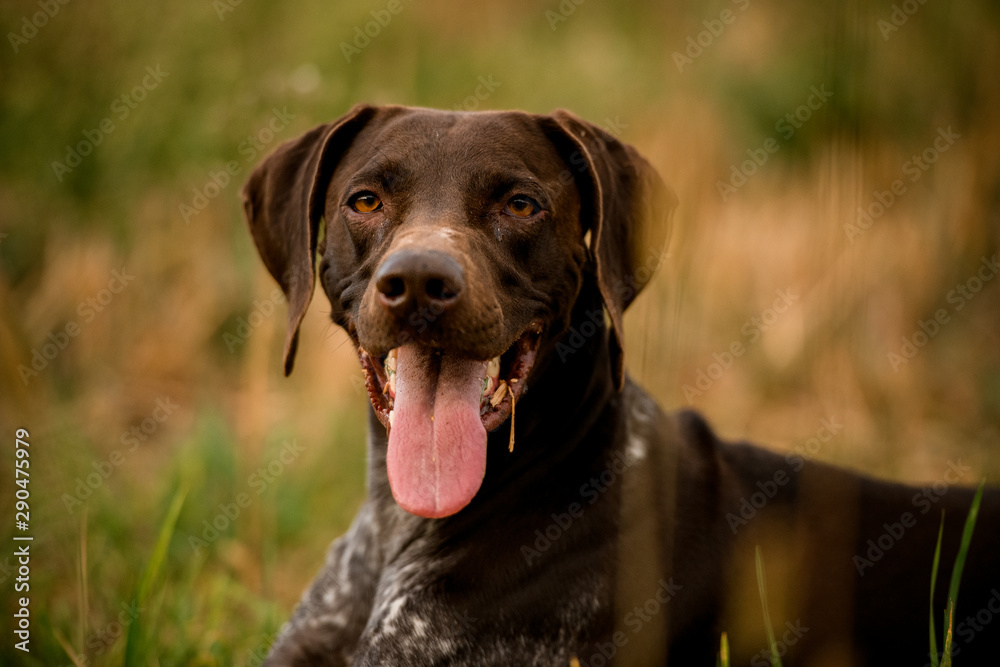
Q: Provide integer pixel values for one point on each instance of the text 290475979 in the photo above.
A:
(22, 584)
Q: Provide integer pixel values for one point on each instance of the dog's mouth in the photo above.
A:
(502, 378)
(437, 409)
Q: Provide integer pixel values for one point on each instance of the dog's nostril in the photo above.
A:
(393, 288)
(439, 290)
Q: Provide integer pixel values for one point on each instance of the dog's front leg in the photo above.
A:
(334, 610)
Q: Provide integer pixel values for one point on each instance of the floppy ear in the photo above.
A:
(284, 200)
(627, 207)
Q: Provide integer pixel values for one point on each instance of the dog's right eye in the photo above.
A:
(365, 202)
(522, 207)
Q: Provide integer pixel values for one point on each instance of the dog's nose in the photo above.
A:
(411, 280)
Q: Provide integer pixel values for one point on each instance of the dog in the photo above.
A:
(528, 503)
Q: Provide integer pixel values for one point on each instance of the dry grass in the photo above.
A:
(163, 335)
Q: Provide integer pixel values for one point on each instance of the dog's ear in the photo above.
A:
(626, 206)
(284, 200)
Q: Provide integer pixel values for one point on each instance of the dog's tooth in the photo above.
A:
(499, 394)
(390, 361)
(392, 413)
(493, 367)
(391, 384)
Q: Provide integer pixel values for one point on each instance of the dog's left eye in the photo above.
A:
(522, 207)
(365, 202)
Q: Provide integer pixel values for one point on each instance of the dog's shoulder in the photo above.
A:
(680, 444)
(684, 440)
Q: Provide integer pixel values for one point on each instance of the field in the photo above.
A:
(832, 267)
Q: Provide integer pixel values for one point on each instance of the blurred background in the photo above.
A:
(832, 263)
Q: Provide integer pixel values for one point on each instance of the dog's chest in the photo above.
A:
(406, 619)
(415, 619)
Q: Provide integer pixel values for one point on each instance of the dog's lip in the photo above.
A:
(516, 362)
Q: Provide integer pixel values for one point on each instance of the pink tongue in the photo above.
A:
(437, 443)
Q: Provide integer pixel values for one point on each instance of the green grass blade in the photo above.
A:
(956, 572)
(762, 587)
(949, 621)
(152, 571)
(963, 550)
(934, 574)
(723, 660)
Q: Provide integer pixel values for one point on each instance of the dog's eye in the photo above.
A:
(365, 202)
(522, 207)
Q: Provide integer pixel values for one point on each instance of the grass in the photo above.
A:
(164, 336)
(953, 587)
(723, 660)
(943, 659)
(219, 606)
(934, 574)
(134, 637)
(762, 590)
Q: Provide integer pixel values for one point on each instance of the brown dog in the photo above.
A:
(528, 504)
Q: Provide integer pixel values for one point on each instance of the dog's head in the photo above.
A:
(455, 245)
